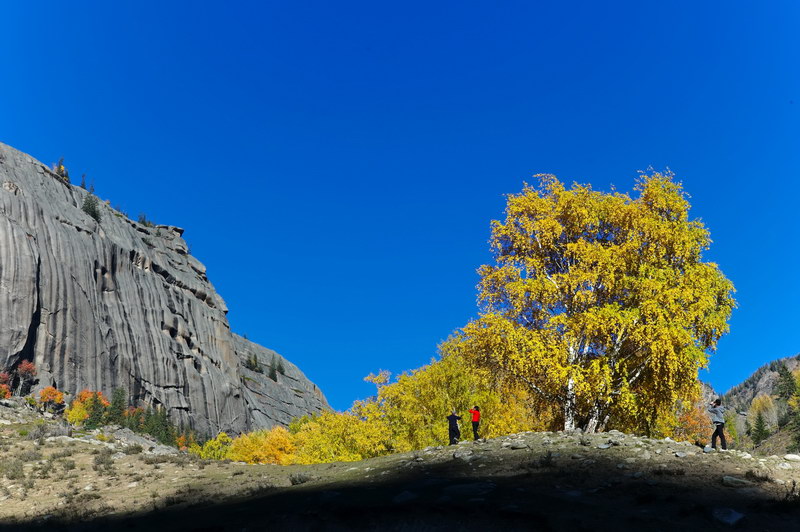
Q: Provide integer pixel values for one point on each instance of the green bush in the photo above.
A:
(91, 206)
(12, 469)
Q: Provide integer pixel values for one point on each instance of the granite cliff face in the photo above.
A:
(120, 304)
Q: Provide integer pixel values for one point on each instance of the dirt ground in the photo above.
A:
(531, 481)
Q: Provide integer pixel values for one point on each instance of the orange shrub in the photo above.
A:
(5, 392)
(185, 440)
(84, 396)
(5, 378)
(51, 395)
(26, 370)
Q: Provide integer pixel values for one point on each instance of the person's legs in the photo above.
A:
(453, 437)
(475, 429)
(721, 429)
(714, 436)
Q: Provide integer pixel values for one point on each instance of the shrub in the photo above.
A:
(91, 207)
(95, 410)
(51, 397)
(87, 408)
(133, 418)
(144, 221)
(263, 447)
(252, 364)
(185, 440)
(5, 378)
(133, 449)
(103, 461)
(214, 449)
(26, 370)
(12, 469)
(116, 410)
(156, 423)
(5, 391)
(76, 413)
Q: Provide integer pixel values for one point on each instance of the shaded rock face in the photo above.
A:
(119, 304)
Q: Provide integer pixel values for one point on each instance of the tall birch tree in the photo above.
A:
(600, 303)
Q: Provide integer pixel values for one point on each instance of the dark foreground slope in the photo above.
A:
(532, 481)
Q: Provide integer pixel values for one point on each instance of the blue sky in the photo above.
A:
(336, 164)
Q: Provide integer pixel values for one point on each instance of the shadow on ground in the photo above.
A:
(532, 493)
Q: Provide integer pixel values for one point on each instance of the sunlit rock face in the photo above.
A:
(118, 304)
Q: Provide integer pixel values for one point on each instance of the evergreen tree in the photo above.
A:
(91, 207)
(116, 411)
(787, 384)
(760, 432)
(96, 411)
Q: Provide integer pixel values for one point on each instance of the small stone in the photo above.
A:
(727, 515)
(418, 459)
(462, 455)
(784, 465)
(646, 455)
(89, 487)
(604, 446)
(792, 457)
(708, 449)
(519, 445)
(133, 484)
(735, 482)
(680, 454)
(404, 497)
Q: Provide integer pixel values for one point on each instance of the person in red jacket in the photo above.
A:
(476, 420)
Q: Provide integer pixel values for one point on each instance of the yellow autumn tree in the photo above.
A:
(600, 304)
(272, 446)
(414, 409)
(339, 437)
(764, 405)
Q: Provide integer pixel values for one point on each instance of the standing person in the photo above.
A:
(454, 431)
(476, 420)
(717, 417)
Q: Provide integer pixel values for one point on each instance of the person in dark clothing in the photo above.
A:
(476, 420)
(717, 417)
(454, 431)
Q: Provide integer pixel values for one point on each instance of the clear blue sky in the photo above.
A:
(336, 164)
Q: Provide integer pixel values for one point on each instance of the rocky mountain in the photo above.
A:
(116, 303)
(762, 382)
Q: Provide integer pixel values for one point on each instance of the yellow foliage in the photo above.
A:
(763, 404)
(414, 409)
(76, 413)
(214, 449)
(335, 437)
(599, 304)
(272, 446)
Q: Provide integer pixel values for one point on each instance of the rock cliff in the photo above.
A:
(122, 304)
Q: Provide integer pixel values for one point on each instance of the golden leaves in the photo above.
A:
(602, 291)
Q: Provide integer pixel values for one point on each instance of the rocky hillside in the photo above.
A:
(117, 303)
(114, 480)
(762, 381)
